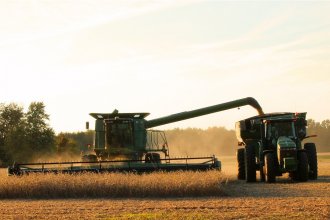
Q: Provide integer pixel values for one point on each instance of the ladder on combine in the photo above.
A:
(157, 142)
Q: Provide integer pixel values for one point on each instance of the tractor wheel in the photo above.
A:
(250, 164)
(270, 176)
(312, 160)
(262, 174)
(293, 176)
(241, 164)
(302, 166)
(152, 158)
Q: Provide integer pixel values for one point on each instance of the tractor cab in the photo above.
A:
(274, 129)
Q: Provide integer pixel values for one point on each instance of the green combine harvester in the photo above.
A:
(125, 142)
(272, 145)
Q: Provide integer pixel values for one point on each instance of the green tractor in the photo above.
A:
(273, 146)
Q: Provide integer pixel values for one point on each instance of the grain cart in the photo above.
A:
(273, 146)
(125, 142)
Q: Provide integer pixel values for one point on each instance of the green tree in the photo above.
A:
(82, 139)
(11, 123)
(322, 130)
(24, 136)
(10, 116)
(40, 136)
(66, 146)
(16, 147)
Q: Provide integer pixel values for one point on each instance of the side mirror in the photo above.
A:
(87, 125)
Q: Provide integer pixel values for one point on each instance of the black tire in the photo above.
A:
(250, 164)
(89, 158)
(241, 163)
(262, 174)
(270, 174)
(293, 176)
(302, 166)
(312, 160)
(152, 158)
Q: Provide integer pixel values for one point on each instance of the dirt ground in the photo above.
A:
(281, 200)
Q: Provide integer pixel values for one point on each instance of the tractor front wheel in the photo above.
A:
(241, 164)
(262, 174)
(302, 166)
(270, 176)
(312, 160)
(250, 164)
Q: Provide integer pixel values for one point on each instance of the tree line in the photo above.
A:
(24, 136)
(322, 130)
(27, 136)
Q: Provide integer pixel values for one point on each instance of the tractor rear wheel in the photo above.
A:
(241, 164)
(250, 164)
(270, 175)
(293, 176)
(302, 166)
(312, 160)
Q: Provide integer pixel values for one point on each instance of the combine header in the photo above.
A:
(138, 166)
(125, 142)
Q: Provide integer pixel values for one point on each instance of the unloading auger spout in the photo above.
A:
(204, 111)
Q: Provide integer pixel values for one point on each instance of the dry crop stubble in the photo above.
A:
(170, 208)
(112, 185)
(281, 200)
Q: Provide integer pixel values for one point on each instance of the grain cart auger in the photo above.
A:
(273, 146)
(125, 142)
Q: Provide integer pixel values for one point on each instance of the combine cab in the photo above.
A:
(126, 142)
(123, 135)
(273, 146)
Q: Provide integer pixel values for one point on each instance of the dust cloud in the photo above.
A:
(193, 142)
(198, 142)
(63, 157)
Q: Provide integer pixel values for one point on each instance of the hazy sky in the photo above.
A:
(165, 57)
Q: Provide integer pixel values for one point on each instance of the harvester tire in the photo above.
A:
(302, 166)
(241, 163)
(312, 160)
(152, 158)
(89, 158)
(250, 164)
(270, 174)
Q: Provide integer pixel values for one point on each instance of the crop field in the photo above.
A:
(113, 185)
(177, 195)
